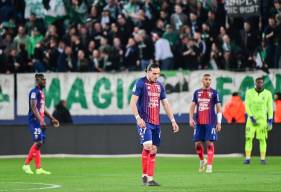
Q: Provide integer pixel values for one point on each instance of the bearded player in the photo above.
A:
(37, 125)
(206, 123)
(145, 106)
(259, 109)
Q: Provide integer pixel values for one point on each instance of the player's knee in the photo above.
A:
(249, 139)
(153, 149)
(39, 144)
(198, 145)
(210, 145)
(147, 147)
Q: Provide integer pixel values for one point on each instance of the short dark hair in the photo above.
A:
(235, 94)
(259, 78)
(39, 76)
(150, 66)
(278, 94)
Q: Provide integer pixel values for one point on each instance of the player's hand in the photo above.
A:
(55, 123)
(218, 127)
(192, 123)
(269, 123)
(175, 127)
(253, 120)
(141, 123)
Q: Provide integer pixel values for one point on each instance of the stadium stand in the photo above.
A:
(114, 35)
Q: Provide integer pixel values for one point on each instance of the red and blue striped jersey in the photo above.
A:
(38, 95)
(206, 100)
(150, 94)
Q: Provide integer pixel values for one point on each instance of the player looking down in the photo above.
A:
(145, 105)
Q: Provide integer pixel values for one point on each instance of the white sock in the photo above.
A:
(209, 166)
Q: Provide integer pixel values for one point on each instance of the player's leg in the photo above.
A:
(250, 133)
(200, 152)
(34, 128)
(210, 152)
(26, 167)
(146, 141)
(261, 135)
(198, 137)
(156, 132)
(210, 137)
(263, 146)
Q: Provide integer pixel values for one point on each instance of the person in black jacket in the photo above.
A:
(61, 113)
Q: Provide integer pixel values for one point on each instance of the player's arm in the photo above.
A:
(191, 114)
(54, 121)
(169, 112)
(219, 116)
(134, 109)
(248, 107)
(247, 104)
(270, 111)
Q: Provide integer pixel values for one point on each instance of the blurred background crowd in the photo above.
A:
(114, 35)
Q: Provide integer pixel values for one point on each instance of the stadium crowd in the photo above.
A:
(114, 35)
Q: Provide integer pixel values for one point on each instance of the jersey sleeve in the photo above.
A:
(163, 92)
(138, 87)
(216, 97)
(194, 98)
(269, 106)
(33, 95)
(248, 103)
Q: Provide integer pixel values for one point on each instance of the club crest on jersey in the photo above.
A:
(210, 94)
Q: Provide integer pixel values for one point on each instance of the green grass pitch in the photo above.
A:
(175, 174)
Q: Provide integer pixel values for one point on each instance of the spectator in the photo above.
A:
(171, 36)
(178, 19)
(113, 8)
(163, 53)
(248, 43)
(268, 35)
(234, 110)
(217, 59)
(131, 56)
(82, 64)
(96, 61)
(146, 49)
(189, 53)
(21, 38)
(194, 23)
(62, 114)
(90, 21)
(118, 54)
(277, 114)
(36, 37)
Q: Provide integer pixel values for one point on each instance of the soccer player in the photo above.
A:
(260, 113)
(206, 123)
(145, 105)
(37, 125)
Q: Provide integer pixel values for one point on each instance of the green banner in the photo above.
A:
(109, 94)
(7, 97)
